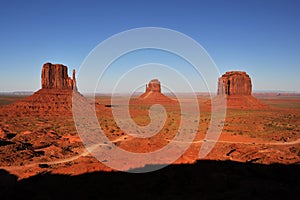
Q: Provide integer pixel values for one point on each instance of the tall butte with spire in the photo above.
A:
(55, 96)
(236, 87)
(55, 76)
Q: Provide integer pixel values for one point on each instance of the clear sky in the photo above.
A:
(260, 37)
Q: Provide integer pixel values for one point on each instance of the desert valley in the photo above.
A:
(259, 143)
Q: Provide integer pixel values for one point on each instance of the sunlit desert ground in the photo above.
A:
(30, 145)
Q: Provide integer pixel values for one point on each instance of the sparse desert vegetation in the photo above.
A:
(260, 136)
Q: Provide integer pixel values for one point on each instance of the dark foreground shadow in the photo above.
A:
(203, 180)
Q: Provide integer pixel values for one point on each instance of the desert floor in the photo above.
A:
(256, 155)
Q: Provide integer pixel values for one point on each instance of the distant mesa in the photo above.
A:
(153, 86)
(153, 93)
(54, 98)
(236, 86)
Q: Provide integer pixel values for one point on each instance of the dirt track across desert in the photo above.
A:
(87, 151)
(237, 142)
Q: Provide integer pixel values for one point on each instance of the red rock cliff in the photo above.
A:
(153, 86)
(235, 83)
(55, 76)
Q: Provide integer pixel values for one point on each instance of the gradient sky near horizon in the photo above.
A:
(261, 37)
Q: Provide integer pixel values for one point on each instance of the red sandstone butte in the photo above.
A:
(153, 86)
(235, 83)
(55, 76)
(153, 93)
(54, 98)
(236, 86)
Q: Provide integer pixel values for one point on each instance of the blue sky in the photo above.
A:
(260, 37)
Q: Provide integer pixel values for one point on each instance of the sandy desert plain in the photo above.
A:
(257, 154)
